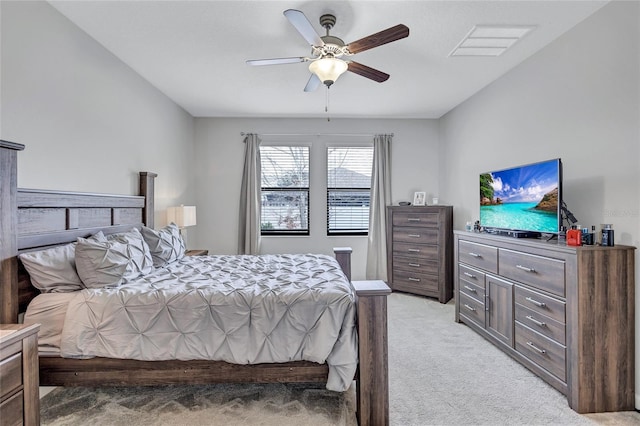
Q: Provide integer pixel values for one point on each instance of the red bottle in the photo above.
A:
(574, 237)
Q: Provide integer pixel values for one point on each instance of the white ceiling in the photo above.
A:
(195, 51)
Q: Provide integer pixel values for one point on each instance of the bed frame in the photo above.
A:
(31, 219)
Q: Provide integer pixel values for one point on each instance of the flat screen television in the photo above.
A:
(522, 201)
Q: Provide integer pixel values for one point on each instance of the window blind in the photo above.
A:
(348, 189)
(285, 190)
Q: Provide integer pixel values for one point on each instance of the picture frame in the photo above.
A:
(419, 198)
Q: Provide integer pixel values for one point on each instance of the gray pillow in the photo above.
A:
(111, 263)
(166, 244)
(141, 261)
(101, 264)
(53, 270)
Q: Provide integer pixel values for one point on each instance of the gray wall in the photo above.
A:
(89, 122)
(577, 99)
(220, 151)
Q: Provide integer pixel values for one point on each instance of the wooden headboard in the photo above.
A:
(31, 219)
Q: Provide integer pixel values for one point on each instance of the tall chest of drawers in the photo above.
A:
(420, 250)
(566, 313)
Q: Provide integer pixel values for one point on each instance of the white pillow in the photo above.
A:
(166, 244)
(53, 270)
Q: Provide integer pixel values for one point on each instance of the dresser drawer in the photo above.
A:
(542, 324)
(416, 280)
(403, 263)
(478, 255)
(415, 235)
(472, 309)
(470, 275)
(419, 219)
(543, 273)
(471, 282)
(545, 352)
(415, 251)
(11, 349)
(11, 374)
(541, 304)
(11, 410)
(472, 291)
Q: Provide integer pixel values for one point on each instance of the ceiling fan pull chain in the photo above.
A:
(326, 104)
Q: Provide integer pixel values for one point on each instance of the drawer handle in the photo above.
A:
(417, 280)
(469, 275)
(524, 268)
(471, 308)
(412, 250)
(471, 289)
(537, 349)
(535, 302)
(415, 265)
(536, 322)
(472, 254)
(413, 219)
(414, 235)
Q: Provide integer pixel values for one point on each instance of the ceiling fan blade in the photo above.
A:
(313, 83)
(304, 27)
(378, 39)
(368, 72)
(276, 61)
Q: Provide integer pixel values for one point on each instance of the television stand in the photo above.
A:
(566, 313)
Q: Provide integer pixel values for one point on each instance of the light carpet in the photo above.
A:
(440, 373)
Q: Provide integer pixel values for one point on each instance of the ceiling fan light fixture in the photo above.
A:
(328, 69)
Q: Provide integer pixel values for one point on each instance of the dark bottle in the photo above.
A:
(607, 235)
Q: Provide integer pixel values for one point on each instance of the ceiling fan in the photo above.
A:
(327, 52)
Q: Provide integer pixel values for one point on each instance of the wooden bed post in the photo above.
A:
(343, 256)
(8, 231)
(147, 190)
(373, 370)
(372, 381)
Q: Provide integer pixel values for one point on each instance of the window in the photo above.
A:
(285, 190)
(348, 189)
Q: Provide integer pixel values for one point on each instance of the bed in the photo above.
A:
(31, 219)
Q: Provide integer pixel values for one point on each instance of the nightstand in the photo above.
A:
(19, 380)
(197, 252)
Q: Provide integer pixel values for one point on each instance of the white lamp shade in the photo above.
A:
(328, 69)
(182, 216)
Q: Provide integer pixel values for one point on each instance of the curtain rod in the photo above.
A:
(316, 134)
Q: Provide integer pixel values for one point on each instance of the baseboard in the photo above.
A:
(637, 402)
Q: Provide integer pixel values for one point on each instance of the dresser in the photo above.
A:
(19, 382)
(420, 250)
(566, 313)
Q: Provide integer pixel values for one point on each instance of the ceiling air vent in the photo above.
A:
(484, 40)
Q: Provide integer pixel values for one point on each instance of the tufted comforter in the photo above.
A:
(239, 309)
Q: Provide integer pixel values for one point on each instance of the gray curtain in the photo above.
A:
(380, 199)
(250, 205)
